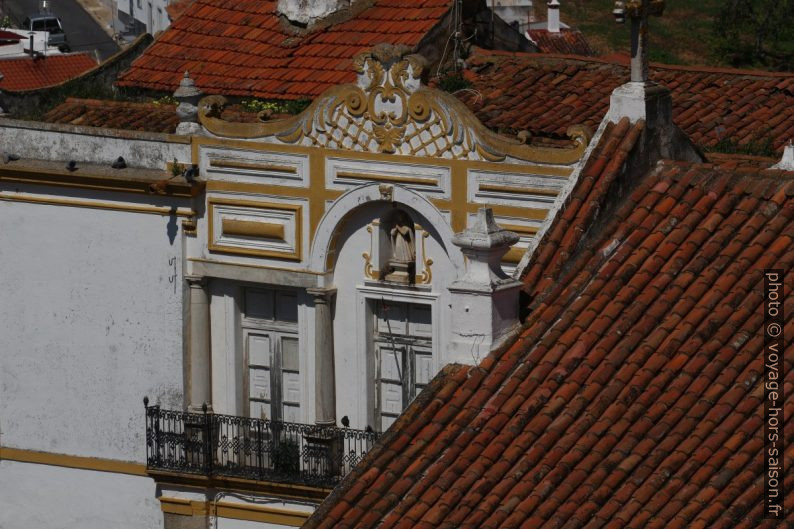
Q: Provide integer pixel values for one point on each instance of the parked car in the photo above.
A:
(47, 22)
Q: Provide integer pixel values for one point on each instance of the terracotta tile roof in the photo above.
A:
(126, 115)
(24, 73)
(547, 93)
(240, 48)
(633, 397)
(147, 117)
(567, 41)
(176, 8)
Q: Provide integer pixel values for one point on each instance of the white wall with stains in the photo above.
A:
(54, 497)
(91, 318)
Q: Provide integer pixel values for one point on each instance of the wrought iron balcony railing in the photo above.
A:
(211, 444)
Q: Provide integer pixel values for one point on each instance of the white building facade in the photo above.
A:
(279, 291)
(143, 16)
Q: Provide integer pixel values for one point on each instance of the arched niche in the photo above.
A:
(381, 198)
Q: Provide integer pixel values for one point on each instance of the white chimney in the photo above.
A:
(308, 12)
(531, 13)
(554, 16)
(787, 162)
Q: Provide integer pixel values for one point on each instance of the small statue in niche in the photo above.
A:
(403, 250)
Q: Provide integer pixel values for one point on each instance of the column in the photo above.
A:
(199, 364)
(324, 379)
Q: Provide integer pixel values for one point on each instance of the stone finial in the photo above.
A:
(187, 89)
(484, 244)
(188, 95)
(786, 163)
(484, 298)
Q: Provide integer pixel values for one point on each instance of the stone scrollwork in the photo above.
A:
(369, 270)
(426, 277)
(389, 110)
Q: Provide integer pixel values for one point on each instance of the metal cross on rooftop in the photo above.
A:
(639, 11)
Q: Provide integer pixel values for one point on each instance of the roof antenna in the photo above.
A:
(492, 24)
(458, 34)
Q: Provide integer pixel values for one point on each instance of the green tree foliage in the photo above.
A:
(756, 33)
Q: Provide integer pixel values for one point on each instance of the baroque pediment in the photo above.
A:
(389, 110)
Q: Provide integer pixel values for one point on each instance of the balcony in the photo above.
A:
(215, 445)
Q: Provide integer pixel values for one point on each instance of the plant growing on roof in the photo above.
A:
(165, 100)
(453, 82)
(177, 169)
(275, 106)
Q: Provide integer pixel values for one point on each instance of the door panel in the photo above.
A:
(274, 383)
(423, 362)
(403, 356)
(259, 384)
(259, 353)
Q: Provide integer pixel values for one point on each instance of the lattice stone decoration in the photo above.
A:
(389, 110)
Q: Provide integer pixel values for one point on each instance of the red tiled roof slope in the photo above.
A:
(566, 41)
(239, 48)
(144, 116)
(125, 115)
(582, 206)
(24, 73)
(545, 94)
(633, 397)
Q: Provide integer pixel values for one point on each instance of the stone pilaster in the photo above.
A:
(324, 377)
(199, 363)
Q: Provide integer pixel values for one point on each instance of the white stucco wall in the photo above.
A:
(91, 324)
(54, 497)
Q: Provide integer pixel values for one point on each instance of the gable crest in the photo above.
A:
(389, 110)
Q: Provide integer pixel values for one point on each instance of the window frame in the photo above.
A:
(277, 330)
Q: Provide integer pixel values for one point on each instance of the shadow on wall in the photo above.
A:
(172, 228)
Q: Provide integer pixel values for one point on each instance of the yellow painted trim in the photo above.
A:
(514, 255)
(296, 210)
(395, 179)
(95, 204)
(261, 267)
(519, 190)
(522, 230)
(194, 150)
(501, 210)
(68, 461)
(180, 506)
(225, 164)
(245, 228)
(234, 511)
(318, 194)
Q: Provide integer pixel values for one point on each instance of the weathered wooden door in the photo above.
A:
(404, 356)
(271, 355)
